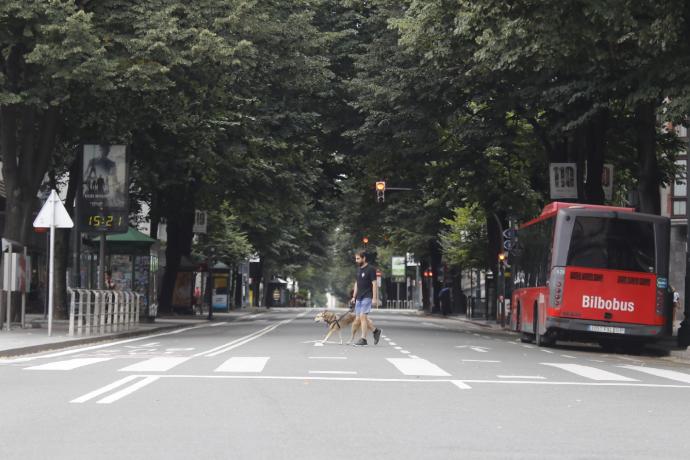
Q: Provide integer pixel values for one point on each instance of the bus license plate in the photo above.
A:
(607, 329)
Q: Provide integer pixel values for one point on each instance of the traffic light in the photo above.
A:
(365, 240)
(380, 191)
(501, 257)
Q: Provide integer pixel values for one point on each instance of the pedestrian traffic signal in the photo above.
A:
(380, 191)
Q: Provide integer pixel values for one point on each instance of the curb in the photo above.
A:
(12, 352)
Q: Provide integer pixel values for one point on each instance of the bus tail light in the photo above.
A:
(556, 284)
(660, 301)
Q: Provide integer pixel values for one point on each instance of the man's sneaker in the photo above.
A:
(377, 335)
(361, 342)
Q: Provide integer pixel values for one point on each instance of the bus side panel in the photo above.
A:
(526, 298)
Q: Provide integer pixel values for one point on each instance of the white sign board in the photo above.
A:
(53, 214)
(563, 180)
(200, 221)
(398, 266)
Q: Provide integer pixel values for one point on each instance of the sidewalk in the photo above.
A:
(668, 345)
(34, 337)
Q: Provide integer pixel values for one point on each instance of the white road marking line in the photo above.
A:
(243, 364)
(179, 349)
(597, 361)
(104, 389)
(480, 361)
(460, 384)
(67, 365)
(160, 364)
(405, 352)
(242, 340)
(328, 357)
(219, 324)
(417, 367)
(414, 356)
(480, 349)
(398, 348)
(529, 377)
(334, 372)
(568, 356)
(528, 346)
(392, 344)
(590, 372)
(667, 374)
(111, 344)
(129, 390)
(318, 344)
(417, 380)
(547, 351)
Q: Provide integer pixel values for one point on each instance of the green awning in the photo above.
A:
(133, 237)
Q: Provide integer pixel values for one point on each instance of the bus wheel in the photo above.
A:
(526, 338)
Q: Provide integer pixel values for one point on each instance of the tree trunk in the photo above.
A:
(27, 140)
(596, 152)
(179, 229)
(648, 181)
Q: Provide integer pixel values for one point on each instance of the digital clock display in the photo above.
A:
(105, 222)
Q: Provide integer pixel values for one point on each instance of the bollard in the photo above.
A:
(72, 296)
(136, 308)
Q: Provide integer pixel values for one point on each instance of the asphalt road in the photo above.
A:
(263, 387)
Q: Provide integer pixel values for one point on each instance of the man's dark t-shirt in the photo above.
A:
(365, 276)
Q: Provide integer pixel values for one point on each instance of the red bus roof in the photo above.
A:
(552, 209)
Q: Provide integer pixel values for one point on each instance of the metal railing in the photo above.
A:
(400, 304)
(102, 311)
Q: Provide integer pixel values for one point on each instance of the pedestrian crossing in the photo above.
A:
(407, 366)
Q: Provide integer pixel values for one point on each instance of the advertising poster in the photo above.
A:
(104, 195)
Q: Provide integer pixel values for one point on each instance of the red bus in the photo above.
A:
(591, 273)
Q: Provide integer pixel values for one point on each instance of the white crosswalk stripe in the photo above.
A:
(590, 372)
(667, 374)
(67, 365)
(160, 364)
(243, 364)
(409, 366)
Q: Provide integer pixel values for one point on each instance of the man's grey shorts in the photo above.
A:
(363, 306)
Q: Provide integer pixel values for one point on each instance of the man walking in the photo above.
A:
(364, 295)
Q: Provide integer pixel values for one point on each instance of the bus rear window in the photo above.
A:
(615, 244)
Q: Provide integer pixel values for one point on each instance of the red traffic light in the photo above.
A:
(428, 273)
(365, 240)
(380, 186)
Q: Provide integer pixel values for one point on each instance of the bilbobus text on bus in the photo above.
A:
(593, 273)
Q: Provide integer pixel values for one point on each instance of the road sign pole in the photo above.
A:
(51, 268)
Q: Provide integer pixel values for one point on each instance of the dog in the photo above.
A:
(337, 322)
